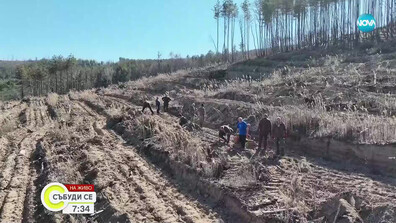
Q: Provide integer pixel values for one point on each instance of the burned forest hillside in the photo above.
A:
(339, 109)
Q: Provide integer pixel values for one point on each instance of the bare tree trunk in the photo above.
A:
(217, 46)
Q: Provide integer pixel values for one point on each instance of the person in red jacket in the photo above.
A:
(279, 134)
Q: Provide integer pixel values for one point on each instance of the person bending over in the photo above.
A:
(225, 130)
(146, 104)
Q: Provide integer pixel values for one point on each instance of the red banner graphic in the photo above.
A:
(80, 187)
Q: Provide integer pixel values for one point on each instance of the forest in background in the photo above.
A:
(282, 25)
(62, 74)
(265, 27)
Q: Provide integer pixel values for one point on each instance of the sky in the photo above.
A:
(105, 30)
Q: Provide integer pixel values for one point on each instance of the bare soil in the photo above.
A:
(77, 148)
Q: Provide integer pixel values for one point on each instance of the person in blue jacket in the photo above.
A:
(242, 130)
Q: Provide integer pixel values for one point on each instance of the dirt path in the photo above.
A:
(16, 176)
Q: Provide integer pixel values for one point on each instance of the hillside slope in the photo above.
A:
(148, 168)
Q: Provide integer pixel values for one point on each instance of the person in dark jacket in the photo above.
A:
(158, 104)
(166, 100)
(264, 132)
(202, 114)
(183, 120)
(225, 130)
(146, 104)
(242, 130)
(279, 134)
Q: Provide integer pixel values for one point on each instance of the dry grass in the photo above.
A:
(114, 112)
(334, 83)
(146, 82)
(88, 95)
(7, 127)
(181, 144)
(7, 122)
(293, 199)
(243, 176)
(293, 194)
(58, 134)
(166, 133)
(161, 79)
(52, 99)
(348, 125)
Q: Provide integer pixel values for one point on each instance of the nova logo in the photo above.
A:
(366, 23)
